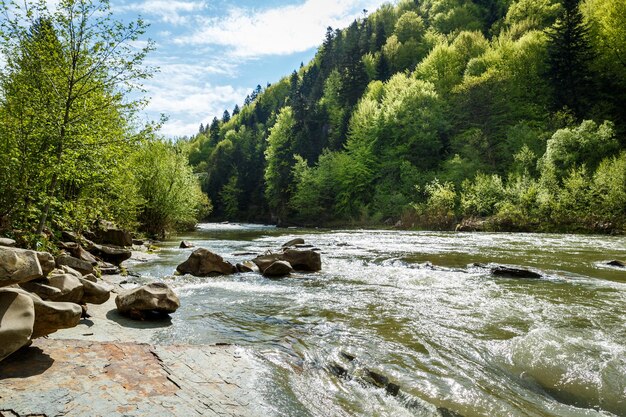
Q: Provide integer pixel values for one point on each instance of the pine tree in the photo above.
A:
(225, 117)
(236, 109)
(569, 56)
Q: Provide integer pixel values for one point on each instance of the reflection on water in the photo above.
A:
(406, 306)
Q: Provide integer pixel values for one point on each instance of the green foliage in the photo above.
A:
(67, 120)
(473, 93)
(481, 196)
(587, 144)
(279, 157)
(171, 194)
(440, 206)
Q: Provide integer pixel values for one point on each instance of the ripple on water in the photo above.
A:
(451, 337)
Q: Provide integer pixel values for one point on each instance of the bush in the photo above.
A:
(172, 198)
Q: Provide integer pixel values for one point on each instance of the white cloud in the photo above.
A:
(180, 91)
(175, 12)
(279, 31)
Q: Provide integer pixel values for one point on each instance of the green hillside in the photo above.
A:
(506, 114)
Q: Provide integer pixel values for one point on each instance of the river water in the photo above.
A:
(406, 305)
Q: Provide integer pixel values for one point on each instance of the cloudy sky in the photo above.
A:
(212, 53)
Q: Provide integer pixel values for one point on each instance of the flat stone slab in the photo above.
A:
(85, 378)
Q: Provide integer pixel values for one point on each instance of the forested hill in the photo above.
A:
(434, 111)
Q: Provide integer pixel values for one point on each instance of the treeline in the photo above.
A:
(433, 111)
(71, 150)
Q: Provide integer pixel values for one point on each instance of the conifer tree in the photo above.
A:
(569, 56)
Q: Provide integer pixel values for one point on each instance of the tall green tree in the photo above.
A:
(66, 84)
(569, 57)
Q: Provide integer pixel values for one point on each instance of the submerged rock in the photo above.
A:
(619, 264)
(202, 262)
(512, 272)
(143, 302)
(186, 245)
(17, 317)
(278, 269)
(18, 265)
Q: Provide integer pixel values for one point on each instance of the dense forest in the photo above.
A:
(72, 151)
(503, 114)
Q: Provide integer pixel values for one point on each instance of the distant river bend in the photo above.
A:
(406, 306)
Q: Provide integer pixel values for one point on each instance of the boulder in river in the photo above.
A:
(619, 264)
(278, 269)
(18, 265)
(17, 318)
(144, 302)
(293, 242)
(305, 260)
(79, 265)
(186, 245)
(513, 272)
(202, 262)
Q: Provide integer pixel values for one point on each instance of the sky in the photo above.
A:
(212, 53)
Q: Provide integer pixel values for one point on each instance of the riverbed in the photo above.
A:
(410, 306)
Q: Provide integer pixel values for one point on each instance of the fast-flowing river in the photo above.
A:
(406, 305)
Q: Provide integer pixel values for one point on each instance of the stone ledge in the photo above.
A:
(84, 378)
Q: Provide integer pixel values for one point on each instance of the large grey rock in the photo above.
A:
(51, 316)
(79, 265)
(47, 262)
(17, 317)
(5, 241)
(18, 265)
(142, 302)
(202, 262)
(113, 254)
(94, 293)
(278, 269)
(72, 290)
(42, 289)
(77, 251)
(305, 260)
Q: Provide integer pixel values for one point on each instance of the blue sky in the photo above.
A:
(212, 53)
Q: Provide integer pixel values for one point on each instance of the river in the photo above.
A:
(406, 305)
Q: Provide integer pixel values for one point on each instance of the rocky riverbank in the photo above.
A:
(97, 360)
